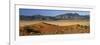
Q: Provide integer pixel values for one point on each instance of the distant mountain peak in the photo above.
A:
(69, 14)
(58, 17)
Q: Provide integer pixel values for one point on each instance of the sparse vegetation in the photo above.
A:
(47, 21)
(44, 28)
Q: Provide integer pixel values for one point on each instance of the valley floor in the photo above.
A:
(58, 22)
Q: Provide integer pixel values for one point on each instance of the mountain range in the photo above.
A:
(66, 16)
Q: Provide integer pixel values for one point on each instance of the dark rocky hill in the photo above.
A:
(67, 16)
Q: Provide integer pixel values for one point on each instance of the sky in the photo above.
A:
(48, 12)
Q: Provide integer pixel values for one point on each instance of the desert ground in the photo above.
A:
(53, 27)
(58, 22)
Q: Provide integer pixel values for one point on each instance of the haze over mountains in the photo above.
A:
(66, 16)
